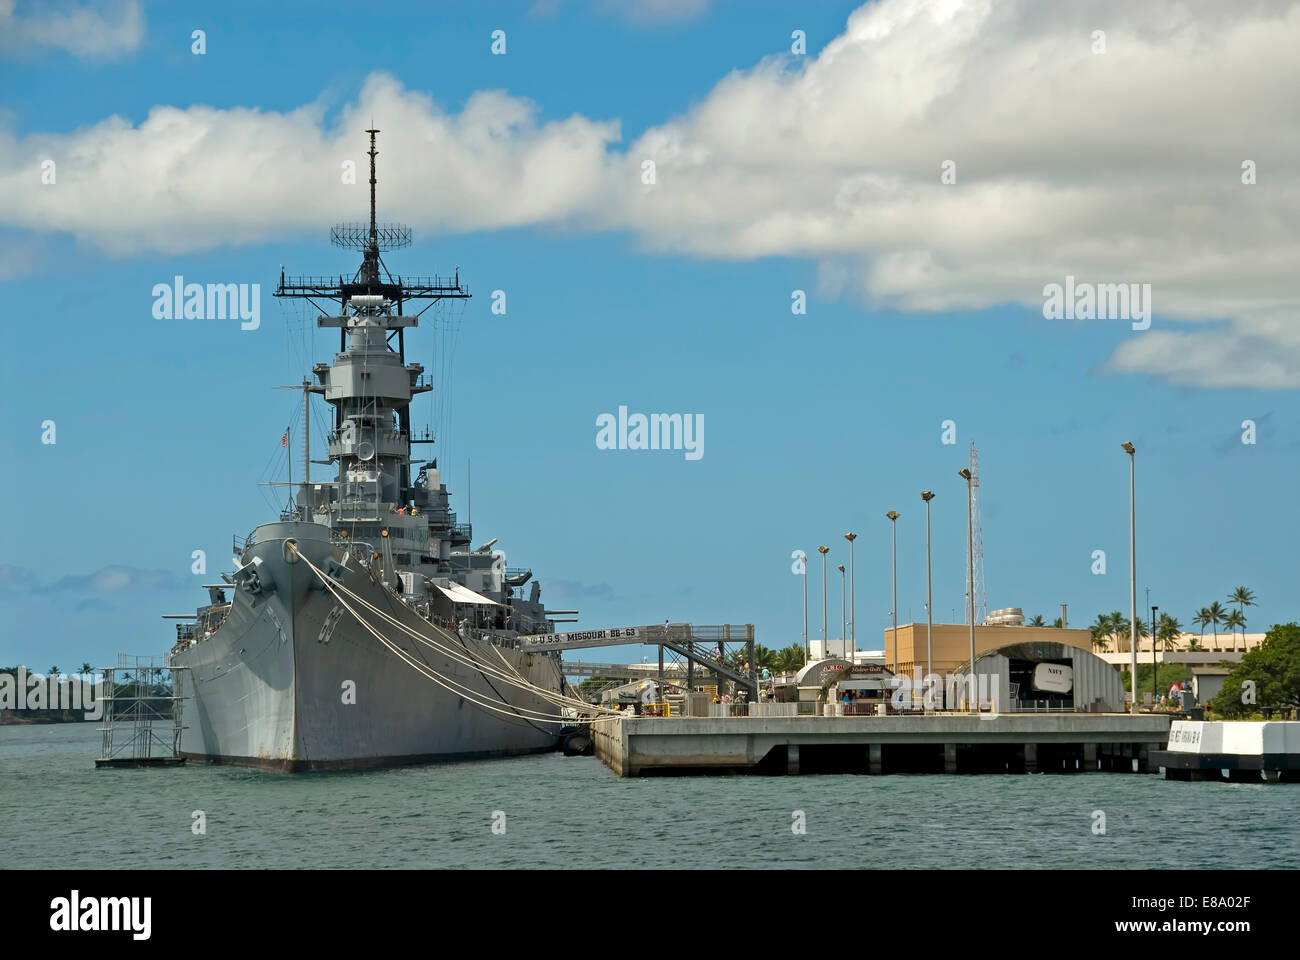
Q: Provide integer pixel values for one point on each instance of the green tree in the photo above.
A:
(1271, 671)
(1038, 621)
(790, 659)
(1057, 623)
(54, 671)
(1120, 628)
(1232, 621)
(590, 688)
(86, 669)
(1143, 631)
(1167, 675)
(1242, 597)
(1167, 632)
(1216, 613)
(1202, 620)
(1101, 629)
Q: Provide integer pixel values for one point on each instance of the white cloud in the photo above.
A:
(1115, 167)
(1118, 167)
(190, 179)
(106, 580)
(98, 31)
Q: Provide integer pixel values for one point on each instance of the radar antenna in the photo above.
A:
(372, 238)
(355, 236)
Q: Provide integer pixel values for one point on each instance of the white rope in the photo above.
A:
(468, 658)
(445, 682)
(460, 656)
(464, 655)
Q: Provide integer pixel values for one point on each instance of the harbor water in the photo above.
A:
(58, 811)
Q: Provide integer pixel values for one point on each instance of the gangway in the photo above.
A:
(699, 645)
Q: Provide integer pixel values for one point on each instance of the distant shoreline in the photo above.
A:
(13, 718)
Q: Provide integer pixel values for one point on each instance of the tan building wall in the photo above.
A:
(951, 643)
(1224, 642)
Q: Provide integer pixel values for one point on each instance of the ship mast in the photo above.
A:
(373, 277)
(370, 263)
(386, 299)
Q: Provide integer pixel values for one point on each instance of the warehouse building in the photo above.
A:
(1040, 675)
(950, 643)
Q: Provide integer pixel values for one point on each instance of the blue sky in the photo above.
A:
(814, 424)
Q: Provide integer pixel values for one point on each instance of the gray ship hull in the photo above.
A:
(291, 681)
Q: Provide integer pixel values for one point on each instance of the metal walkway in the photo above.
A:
(702, 646)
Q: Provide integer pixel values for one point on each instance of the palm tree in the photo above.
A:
(86, 669)
(1167, 631)
(54, 671)
(764, 657)
(1202, 620)
(1120, 624)
(1232, 621)
(789, 659)
(1143, 632)
(1037, 621)
(1242, 597)
(1101, 629)
(1216, 614)
(1057, 623)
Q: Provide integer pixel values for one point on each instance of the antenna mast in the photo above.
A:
(370, 265)
(372, 279)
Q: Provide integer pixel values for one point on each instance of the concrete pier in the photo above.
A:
(1008, 743)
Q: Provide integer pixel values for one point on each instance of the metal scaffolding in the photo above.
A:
(143, 713)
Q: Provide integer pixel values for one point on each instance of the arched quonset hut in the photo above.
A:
(1053, 675)
(812, 674)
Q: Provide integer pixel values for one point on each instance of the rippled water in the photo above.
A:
(57, 810)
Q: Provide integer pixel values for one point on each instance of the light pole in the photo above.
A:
(927, 496)
(823, 551)
(1132, 566)
(805, 607)
(853, 607)
(1154, 667)
(965, 474)
(893, 529)
(844, 634)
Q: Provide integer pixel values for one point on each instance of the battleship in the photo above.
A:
(362, 628)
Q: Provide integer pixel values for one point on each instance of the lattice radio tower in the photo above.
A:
(981, 602)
